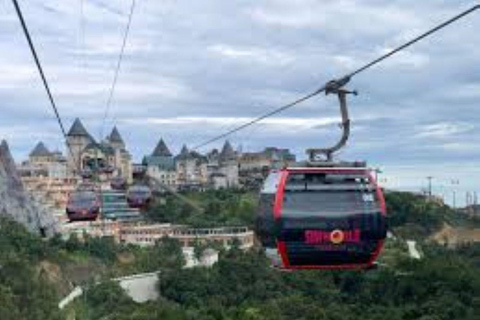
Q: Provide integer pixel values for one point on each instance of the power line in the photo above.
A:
(117, 69)
(247, 124)
(343, 80)
(411, 42)
(82, 33)
(40, 70)
(39, 66)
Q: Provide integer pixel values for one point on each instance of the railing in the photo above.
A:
(210, 231)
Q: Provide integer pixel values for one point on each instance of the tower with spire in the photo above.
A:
(109, 156)
(77, 140)
(191, 168)
(160, 164)
(223, 167)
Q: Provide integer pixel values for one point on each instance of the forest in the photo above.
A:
(444, 284)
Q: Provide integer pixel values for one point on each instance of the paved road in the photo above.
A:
(412, 250)
(140, 287)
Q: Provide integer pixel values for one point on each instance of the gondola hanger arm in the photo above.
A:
(323, 155)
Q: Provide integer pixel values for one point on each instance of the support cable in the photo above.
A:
(336, 84)
(117, 69)
(42, 74)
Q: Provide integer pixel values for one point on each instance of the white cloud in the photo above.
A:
(443, 129)
(281, 124)
(338, 15)
(405, 58)
(251, 54)
(192, 67)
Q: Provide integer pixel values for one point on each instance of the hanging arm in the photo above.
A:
(335, 87)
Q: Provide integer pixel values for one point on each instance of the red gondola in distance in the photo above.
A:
(83, 205)
(322, 218)
(139, 196)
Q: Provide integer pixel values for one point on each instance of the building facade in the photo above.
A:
(44, 163)
(191, 170)
(222, 167)
(110, 156)
(160, 165)
(267, 159)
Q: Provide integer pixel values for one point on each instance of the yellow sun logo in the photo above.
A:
(337, 236)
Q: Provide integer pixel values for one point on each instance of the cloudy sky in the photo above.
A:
(193, 69)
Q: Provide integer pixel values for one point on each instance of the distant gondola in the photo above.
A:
(322, 218)
(87, 174)
(83, 205)
(118, 183)
(108, 169)
(139, 196)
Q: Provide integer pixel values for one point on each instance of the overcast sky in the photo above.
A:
(195, 68)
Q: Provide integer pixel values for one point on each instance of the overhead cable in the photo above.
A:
(118, 66)
(341, 81)
(40, 70)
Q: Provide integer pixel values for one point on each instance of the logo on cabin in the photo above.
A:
(336, 236)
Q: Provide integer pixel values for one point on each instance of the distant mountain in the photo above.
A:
(15, 202)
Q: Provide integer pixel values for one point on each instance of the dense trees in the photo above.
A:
(218, 208)
(243, 286)
(25, 292)
(444, 285)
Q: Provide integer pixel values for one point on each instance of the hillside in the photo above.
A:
(411, 216)
(15, 203)
(36, 274)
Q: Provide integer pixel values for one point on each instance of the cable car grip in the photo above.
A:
(325, 155)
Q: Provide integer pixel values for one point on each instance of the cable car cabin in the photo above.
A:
(118, 183)
(83, 205)
(322, 218)
(86, 174)
(139, 196)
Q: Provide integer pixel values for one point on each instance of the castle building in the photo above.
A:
(109, 156)
(160, 165)
(222, 168)
(254, 166)
(267, 159)
(191, 169)
(44, 163)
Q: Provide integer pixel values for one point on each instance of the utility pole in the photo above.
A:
(377, 172)
(429, 187)
(475, 203)
(454, 183)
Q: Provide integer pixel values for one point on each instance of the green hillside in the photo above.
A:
(445, 284)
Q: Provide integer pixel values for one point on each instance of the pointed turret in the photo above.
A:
(184, 151)
(115, 136)
(161, 150)
(227, 152)
(78, 129)
(40, 150)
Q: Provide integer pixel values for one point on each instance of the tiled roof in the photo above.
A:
(161, 150)
(40, 151)
(115, 136)
(78, 129)
(227, 152)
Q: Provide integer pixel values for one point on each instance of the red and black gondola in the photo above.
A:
(322, 218)
(118, 183)
(83, 205)
(139, 196)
